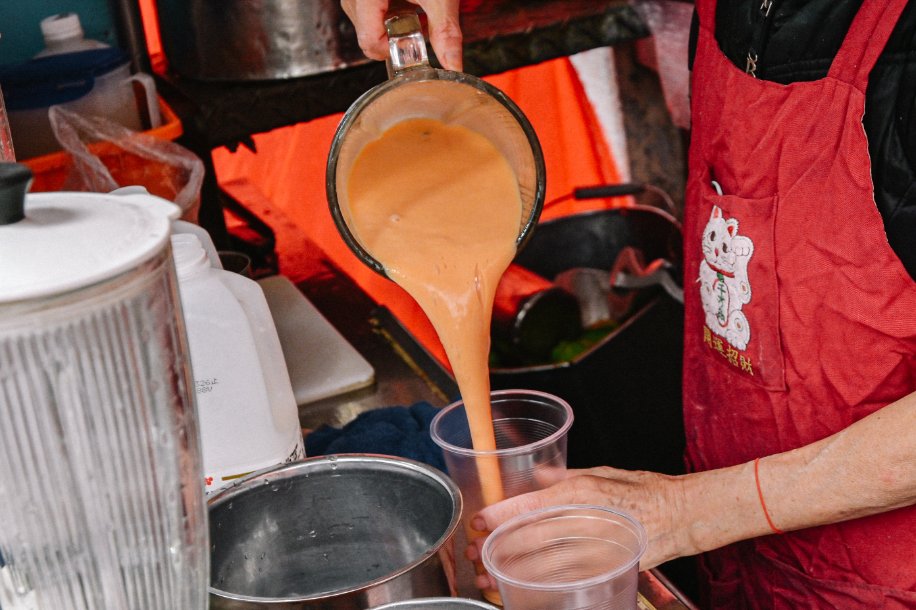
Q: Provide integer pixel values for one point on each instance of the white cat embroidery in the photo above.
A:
(724, 285)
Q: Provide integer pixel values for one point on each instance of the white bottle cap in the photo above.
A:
(189, 254)
(63, 26)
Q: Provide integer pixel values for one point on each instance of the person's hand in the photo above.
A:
(652, 499)
(368, 17)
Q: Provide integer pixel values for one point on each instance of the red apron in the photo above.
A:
(800, 319)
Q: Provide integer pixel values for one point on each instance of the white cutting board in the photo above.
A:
(321, 362)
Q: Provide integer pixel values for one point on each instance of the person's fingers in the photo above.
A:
(491, 516)
(472, 550)
(444, 31)
(368, 17)
(596, 471)
(485, 582)
(579, 487)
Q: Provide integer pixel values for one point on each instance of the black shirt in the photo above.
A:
(796, 40)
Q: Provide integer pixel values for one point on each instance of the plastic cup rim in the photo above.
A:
(532, 516)
(495, 395)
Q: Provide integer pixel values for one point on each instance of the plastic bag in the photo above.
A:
(6, 139)
(107, 156)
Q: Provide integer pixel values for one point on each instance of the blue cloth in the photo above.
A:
(398, 431)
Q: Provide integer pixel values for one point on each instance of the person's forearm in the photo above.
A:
(869, 467)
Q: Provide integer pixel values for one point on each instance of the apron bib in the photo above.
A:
(799, 317)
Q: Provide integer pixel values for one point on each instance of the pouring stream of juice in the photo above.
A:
(438, 205)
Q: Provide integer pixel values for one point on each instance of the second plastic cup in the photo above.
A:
(531, 429)
(572, 557)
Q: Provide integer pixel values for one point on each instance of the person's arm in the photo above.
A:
(368, 17)
(867, 468)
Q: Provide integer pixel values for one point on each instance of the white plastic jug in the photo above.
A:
(83, 75)
(113, 94)
(248, 414)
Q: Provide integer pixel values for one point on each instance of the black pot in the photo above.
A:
(626, 389)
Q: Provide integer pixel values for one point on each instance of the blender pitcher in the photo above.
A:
(101, 502)
(416, 90)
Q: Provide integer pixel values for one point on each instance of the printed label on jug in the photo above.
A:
(214, 481)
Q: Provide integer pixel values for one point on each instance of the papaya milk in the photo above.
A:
(438, 205)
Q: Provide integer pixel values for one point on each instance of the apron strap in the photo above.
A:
(867, 36)
(706, 13)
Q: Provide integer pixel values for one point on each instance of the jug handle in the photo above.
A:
(406, 44)
(275, 372)
(152, 100)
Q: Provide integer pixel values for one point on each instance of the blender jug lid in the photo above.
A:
(68, 241)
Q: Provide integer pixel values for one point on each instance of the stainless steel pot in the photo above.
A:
(345, 532)
(256, 39)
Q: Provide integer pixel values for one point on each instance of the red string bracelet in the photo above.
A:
(763, 504)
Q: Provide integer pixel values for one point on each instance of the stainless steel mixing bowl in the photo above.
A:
(344, 532)
(253, 40)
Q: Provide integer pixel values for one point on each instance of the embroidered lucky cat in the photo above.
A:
(724, 285)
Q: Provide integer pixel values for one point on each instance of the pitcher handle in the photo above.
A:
(406, 44)
(150, 97)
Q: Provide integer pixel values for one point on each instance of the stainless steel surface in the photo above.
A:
(438, 603)
(662, 593)
(343, 532)
(256, 39)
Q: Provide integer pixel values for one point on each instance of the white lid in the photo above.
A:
(72, 240)
(62, 26)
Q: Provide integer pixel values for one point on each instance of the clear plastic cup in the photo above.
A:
(572, 557)
(531, 429)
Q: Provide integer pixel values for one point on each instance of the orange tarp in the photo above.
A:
(289, 170)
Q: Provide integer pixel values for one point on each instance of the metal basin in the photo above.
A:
(344, 532)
